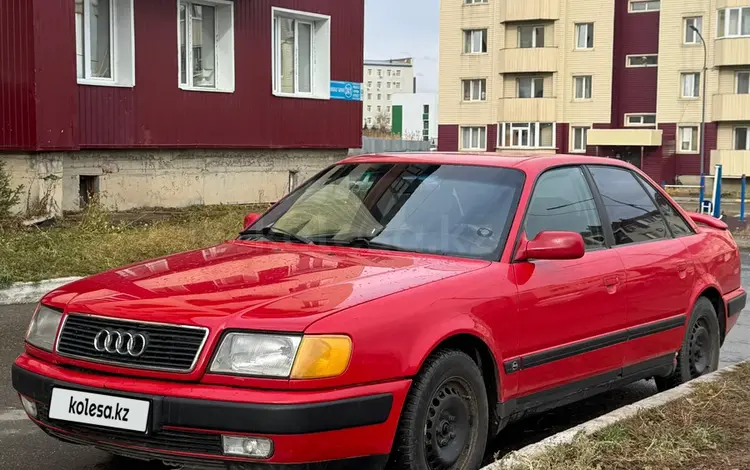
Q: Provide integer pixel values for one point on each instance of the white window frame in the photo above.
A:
(519, 127)
(388, 85)
(224, 47)
(534, 81)
(648, 4)
(695, 138)
(534, 36)
(474, 83)
(585, 78)
(121, 46)
(475, 2)
(686, 29)
(321, 54)
(727, 12)
(737, 81)
(480, 130)
(747, 138)
(696, 83)
(629, 63)
(639, 120)
(398, 73)
(578, 27)
(469, 34)
(398, 85)
(573, 130)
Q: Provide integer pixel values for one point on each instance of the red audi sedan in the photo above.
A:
(394, 311)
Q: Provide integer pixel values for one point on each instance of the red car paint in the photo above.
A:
(398, 308)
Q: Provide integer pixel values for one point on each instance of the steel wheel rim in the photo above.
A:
(450, 424)
(700, 350)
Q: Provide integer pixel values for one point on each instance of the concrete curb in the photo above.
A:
(29, 292)
(522, 458)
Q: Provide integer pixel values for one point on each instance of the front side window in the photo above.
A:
(302, 54)
(688, 139)
(733, 22)
(580, 135)
(475, 41)
(562, 201)
(530, 87)
(104, 42)
(648, 60)
(526, 135)
(475, 90)
(583, 87)
(530, 36)
(474, 138)
(691, 85)
(742, 138)
(454, 210)
(206, 45)
(584, 35)
(633, 215)
(691, 24)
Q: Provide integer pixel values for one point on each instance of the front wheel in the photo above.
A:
(445, 420)
(699, 354)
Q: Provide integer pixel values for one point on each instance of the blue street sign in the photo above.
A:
(348, 91)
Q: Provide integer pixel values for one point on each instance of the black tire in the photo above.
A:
(445, 420)
(699, 354)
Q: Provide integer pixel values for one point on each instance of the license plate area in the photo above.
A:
(99, 410)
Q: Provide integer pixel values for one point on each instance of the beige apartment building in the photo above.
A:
(618, 78)
(383, 79)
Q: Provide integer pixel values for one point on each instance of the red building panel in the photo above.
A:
(492, 137)
(448, 138)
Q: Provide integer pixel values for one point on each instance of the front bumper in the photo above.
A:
(187, 420)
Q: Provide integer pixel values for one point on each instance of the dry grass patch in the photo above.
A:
(94, 243)
(710, 429)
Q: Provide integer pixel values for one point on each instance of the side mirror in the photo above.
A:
(551, 245)
(250, 219)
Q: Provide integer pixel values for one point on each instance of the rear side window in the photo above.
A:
(679, 227)
(562, 201)
(632, 213)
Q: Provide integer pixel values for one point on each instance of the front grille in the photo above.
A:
(170, 347)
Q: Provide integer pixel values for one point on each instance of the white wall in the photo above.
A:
(413, 105)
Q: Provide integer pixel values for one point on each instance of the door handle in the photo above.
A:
(611, 281)
(682, 269)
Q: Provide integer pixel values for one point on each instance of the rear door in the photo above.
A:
(658, 267)
(571, 312)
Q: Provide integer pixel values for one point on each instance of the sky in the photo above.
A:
(405, 28)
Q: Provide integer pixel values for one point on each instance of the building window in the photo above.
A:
(742, 83)
(387, 84)
(398, 73)
(380, 85)
(369, 84)
(579, 139)
(474, 90)
(742, 138)
(475, 41)
(646, 60)
(302, 54)
(474, 2)
(369, 121)
(387, 109)
(584, 35)
(369, 96)
(369, 72)
(389, 72)
(369, 108)
(105, 42)
(380, 96)
(380, 73)
(526, 135)
(380, 108)
(640, 120)
(530, 36)
(637, 6)
(733, 22)
(691, 85)
(388, 97)
(688, 136)
(473, 138)
(690, 35)
(530, 87)
(426, 122)
(206, 45)
(583, 87)
(398, 85)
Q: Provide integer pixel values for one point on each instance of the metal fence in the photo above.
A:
(374, 145)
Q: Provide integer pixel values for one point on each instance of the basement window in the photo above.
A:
(88, 189)
(301, 54)
(206, 45)
(105, 42)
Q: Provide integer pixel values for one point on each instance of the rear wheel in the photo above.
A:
(445, 419)
(700, 350)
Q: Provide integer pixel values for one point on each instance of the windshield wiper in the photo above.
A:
(270, 231)
(366, 242)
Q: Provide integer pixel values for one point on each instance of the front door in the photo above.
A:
(571, 312)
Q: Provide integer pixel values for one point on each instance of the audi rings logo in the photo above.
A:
(124, 343)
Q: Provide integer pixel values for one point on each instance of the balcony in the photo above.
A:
(732, 52)
(731, 107)
(531, 59)
(734, 162)
(527, 110)
(624, 137)
(525, 10)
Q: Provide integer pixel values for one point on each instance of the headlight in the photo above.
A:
(43, 328)
(280, 356)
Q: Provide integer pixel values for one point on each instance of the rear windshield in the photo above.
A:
(452, 210)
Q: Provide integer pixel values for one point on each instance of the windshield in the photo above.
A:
(441, 209)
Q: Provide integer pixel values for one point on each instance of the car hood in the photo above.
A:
(253, 285)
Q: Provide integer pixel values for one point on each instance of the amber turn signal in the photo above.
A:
(319, 357)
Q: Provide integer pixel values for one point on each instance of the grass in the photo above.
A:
(710, 429)
(97, 242)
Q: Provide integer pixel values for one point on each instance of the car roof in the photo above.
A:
(529, 162)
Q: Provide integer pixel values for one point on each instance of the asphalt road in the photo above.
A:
(24, 447)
